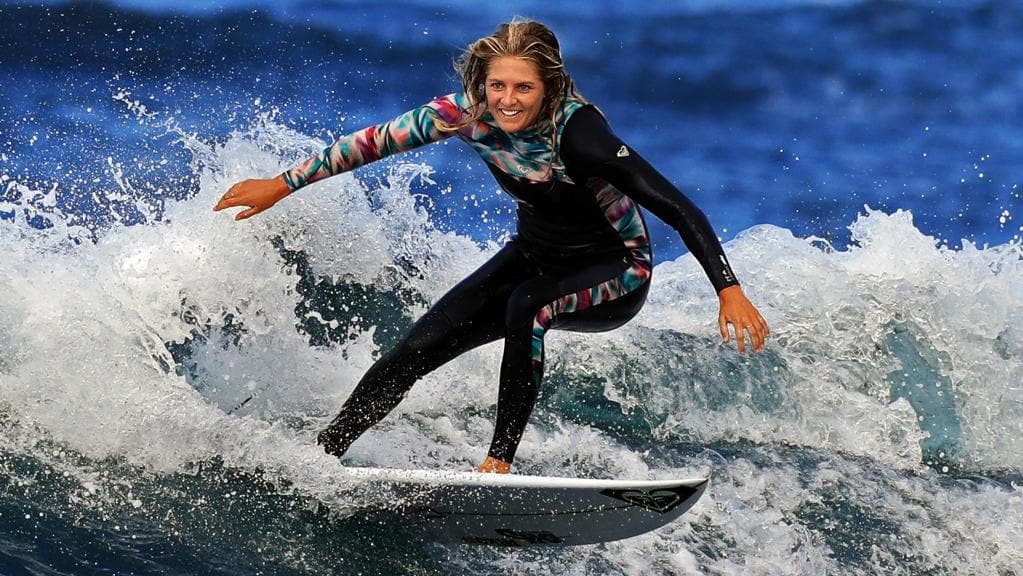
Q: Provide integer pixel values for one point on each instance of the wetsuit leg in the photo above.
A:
(469, 315)
(599, 297)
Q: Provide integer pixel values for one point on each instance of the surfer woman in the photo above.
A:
(581, 259)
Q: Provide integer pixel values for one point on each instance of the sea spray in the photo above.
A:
(164, 381)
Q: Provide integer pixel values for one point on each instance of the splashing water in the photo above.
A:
(164, 371)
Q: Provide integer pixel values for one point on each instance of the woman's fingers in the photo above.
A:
(231, 198)
(756, 335)
(247, 213)
(743, 317)
(740, 338)
(745, 326)
(256, 195)
(757, 330)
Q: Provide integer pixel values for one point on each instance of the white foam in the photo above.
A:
(82, 356)
(830, 314)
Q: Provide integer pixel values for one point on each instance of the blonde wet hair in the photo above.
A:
(526, 39)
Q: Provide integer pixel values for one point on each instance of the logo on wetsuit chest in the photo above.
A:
(623, 151)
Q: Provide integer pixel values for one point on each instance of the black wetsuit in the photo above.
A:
(580, 261)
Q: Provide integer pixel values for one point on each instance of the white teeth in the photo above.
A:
(510, 112)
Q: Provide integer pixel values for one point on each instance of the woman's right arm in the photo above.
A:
(588, 142)
(412, 129)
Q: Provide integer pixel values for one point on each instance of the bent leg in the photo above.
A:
(469, 315)
(599, 298)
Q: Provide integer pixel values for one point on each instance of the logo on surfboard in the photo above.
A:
(662, 500)
(510, 537)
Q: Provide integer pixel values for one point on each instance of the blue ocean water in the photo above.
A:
(164, 370)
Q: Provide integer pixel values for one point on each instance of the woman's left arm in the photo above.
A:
(588, 145)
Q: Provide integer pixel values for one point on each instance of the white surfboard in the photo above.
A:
(512, 510)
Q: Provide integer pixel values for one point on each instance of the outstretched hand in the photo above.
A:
(257, 195)
(743, 316)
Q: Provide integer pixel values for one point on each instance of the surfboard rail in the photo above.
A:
(519, 510)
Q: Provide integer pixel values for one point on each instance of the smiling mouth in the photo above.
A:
(510, 113)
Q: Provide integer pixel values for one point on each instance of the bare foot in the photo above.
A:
(495, 466)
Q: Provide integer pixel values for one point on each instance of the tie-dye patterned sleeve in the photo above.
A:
(415, 128)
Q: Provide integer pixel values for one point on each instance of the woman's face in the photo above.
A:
(514, 92)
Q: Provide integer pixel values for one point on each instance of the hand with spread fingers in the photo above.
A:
(737, 311)
(256, 195)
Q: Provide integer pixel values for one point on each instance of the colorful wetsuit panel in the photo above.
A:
(527, 154)
(624, 216)
(412, 129)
